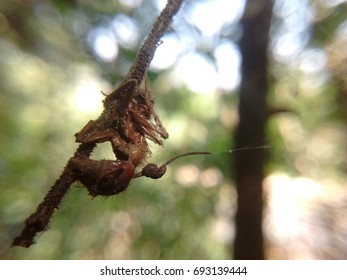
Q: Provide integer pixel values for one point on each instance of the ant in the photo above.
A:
(127, 124)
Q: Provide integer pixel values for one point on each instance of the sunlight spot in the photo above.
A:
(287, 46)
(197, 73)
(210, 177)
(160, 4)
(313, 60)
(187, 175)
(167, 53)
(289, 213)
(131, 3)
(292, 34)
(285, 208)
(210, 16)
(228, 63)
(87, 97)
(306, 188)
(223, 230)
(125, 30)
(104, 44)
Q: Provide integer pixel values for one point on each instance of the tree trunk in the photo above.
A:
(249, 164)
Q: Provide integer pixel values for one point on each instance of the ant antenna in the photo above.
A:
(152, 170)
(186, 154)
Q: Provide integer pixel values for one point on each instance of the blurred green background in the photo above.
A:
(57, 56)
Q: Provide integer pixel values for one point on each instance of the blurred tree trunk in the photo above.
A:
(251, 130)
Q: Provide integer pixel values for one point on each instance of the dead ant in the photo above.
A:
(126, 124)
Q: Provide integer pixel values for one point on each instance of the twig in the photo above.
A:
(146, 53)
(38, 221)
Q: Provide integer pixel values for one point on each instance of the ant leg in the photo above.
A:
(90, 134)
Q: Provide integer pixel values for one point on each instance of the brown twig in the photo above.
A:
(146, 53)
(38, 221)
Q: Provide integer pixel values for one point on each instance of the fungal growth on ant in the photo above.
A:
(127, 125)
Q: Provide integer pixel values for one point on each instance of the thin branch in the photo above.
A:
(146, 53)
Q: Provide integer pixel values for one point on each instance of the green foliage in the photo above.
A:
(325, 28)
